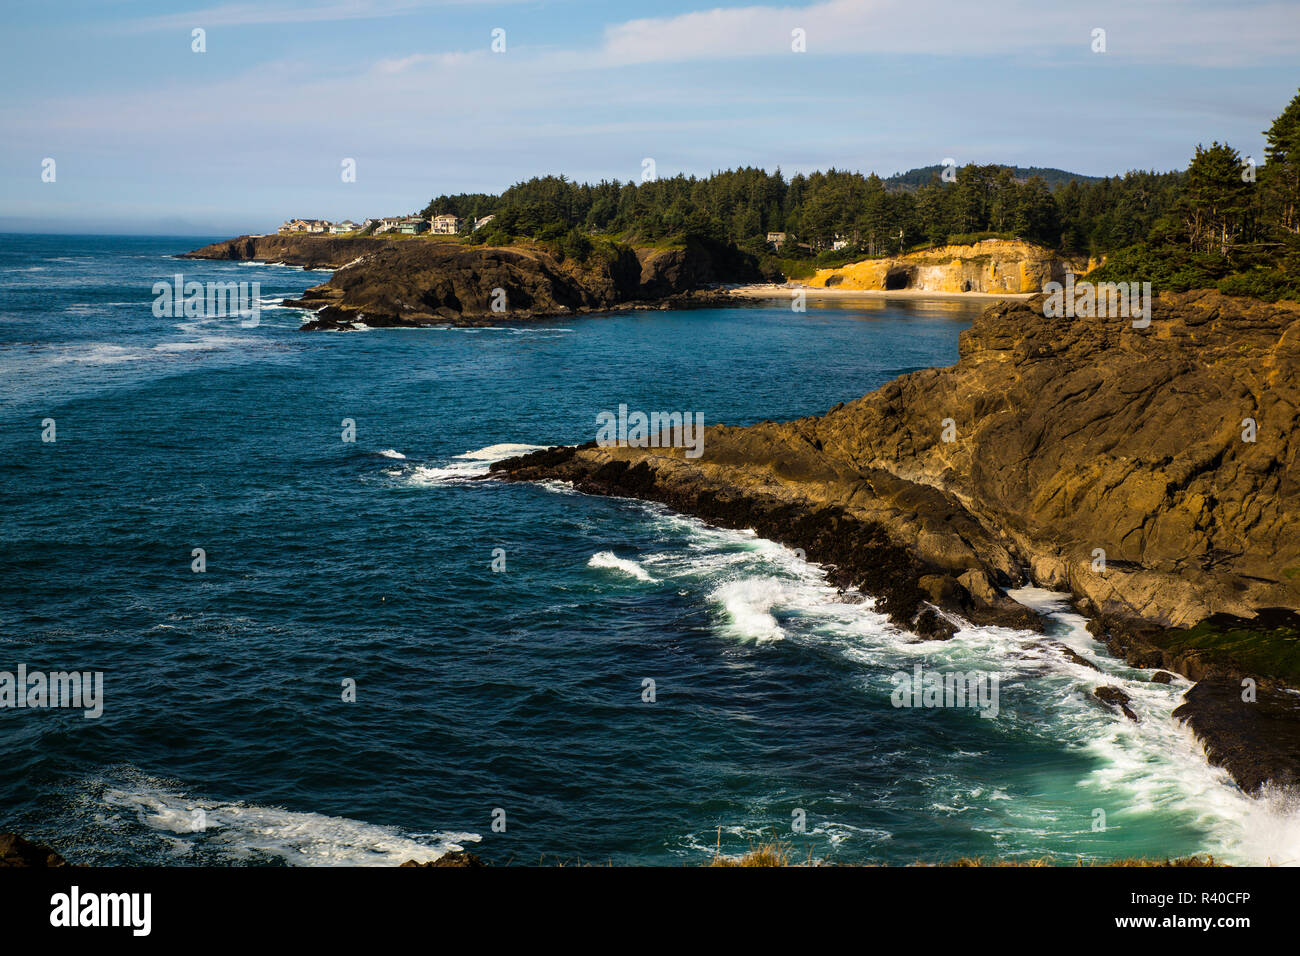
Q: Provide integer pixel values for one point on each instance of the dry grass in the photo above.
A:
(771, 853)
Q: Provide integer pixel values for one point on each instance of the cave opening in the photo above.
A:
(897, 279)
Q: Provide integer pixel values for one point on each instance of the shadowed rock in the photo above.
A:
(462, 858)
(1117, 698)
(15, 851)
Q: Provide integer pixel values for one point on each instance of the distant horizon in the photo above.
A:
(8, 226)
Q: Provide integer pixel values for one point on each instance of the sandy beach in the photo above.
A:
(772, 290)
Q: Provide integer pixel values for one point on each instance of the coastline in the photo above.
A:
(933, 530)
(773, 290)
(423, 282)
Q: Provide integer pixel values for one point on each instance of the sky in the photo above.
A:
(148, 135)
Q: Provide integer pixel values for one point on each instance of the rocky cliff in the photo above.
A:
(993, 265)
(425, 281)
(1151, 472)
(309, 252)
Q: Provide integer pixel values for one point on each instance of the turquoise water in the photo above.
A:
(478, 690)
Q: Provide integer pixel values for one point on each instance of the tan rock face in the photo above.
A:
(994, 265)
(1113, 458)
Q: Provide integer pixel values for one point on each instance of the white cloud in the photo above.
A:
(1185, 31)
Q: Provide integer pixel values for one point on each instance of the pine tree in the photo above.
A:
(1280, 176)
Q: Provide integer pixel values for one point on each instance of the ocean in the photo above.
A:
(539, 676)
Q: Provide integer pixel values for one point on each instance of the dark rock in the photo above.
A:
(15, 851)
(383, 282)
(460, 858)
(1162, 677)
(1257, 741)
(1072, 655)
(1115, 696)
(930, 625)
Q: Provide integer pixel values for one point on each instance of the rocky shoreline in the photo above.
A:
(1083, 455)
(417, 282)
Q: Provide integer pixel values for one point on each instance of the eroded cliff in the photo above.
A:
(991, 266)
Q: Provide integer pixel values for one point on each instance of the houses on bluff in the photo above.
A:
(441, 225)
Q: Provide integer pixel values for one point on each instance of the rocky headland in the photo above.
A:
(1149, 472)
(421, 281)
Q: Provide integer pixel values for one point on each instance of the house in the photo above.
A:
(347, 225)
(445, 225)
(387, 224)
(776, 238)
(839, 244)
(411, 225)
(304, 225)
(480, 223)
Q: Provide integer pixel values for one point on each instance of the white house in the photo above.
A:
(480, 223)
(445, 225)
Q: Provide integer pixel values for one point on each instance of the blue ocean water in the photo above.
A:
(485, 694)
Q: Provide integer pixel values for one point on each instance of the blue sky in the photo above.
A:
(149, 136)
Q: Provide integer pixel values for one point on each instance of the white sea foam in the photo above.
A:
(244, 832)
(748, 604)
(608, 560)
(390, 453)
(1144, 772)
(461, 468)
(501, 452)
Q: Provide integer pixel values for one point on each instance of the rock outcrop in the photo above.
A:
(992, 266)
(309, 252)
(1151, 472)
(15, 851)
(459, 858)
(425, 281)
(1085, 454)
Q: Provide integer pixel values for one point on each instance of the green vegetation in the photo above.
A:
(1269, 645)
(1220, 223)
